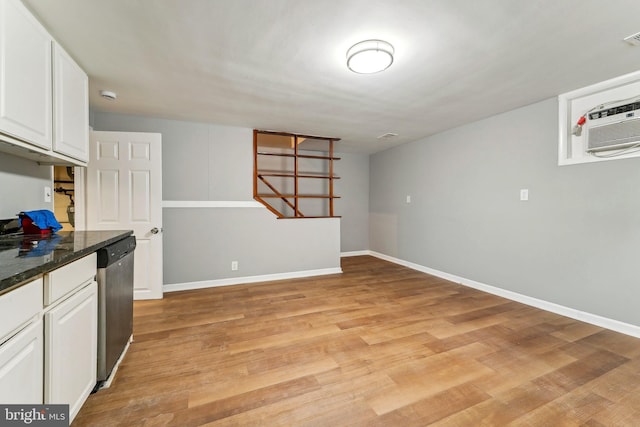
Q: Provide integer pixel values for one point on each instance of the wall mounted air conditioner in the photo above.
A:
(613, 126)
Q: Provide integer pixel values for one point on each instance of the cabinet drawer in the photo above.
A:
(60, 282)
(18, 306)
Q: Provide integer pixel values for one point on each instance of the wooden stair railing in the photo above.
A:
(283, 145)
(281, 196)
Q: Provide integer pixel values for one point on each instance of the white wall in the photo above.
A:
(208, 163)
(22, 185)
(574, 243)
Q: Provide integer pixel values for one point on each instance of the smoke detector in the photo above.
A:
(387, 135)
(633, 39)
(107, 94)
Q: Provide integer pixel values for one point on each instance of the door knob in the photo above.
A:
(155, 230)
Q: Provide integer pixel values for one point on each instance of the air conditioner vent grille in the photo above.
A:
(633, 39)
(614, 136)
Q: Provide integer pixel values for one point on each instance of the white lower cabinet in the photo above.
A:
(21, 345)
(71, 336)
(49, 338)
(21, 366)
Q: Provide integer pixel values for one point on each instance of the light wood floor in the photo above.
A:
(380, 345)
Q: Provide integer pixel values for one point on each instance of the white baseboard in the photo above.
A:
(594, 319)
(248, 279)
(354, 253)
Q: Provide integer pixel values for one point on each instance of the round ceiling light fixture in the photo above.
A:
(370, 56)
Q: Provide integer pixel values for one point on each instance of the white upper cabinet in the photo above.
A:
(25, 76)
(44, 94)
(71, 108)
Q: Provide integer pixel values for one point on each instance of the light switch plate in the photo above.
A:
(524, 194)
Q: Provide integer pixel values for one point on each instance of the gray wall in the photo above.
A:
(353, 206)
(260, 243)
(207, 162)
(574, 243)
(199, 161)
(22, 185)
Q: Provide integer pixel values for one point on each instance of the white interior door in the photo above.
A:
(124, 192)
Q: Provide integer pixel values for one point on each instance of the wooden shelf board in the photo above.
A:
(292, 175)
(301, 156)
(323, 138)
(299, 196)
(308, 217)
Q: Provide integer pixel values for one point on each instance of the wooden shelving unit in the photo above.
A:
(284, 180)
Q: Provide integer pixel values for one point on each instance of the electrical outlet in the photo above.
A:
(408, 199)
(234, 265)
(524, 195)
(47, 194)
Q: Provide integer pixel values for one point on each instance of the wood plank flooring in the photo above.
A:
(379, 345)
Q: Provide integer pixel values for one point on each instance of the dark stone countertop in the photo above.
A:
(24, 258)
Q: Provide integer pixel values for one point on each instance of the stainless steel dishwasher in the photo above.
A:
(115, 303)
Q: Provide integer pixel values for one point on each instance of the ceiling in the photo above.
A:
(280, 64)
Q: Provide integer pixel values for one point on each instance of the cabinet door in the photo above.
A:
(71, 336)
(25, 76)
(71, 107)
(21, 361)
